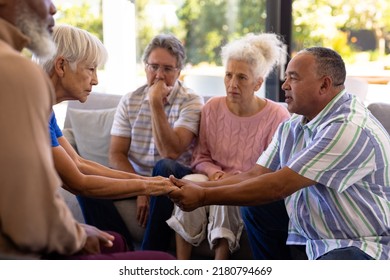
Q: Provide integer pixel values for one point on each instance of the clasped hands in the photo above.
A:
(186, 194)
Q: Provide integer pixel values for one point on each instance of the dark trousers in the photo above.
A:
(157, 233)
(103, 214)
(267, 228)
(348, 253)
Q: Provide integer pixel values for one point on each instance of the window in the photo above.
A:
(357, 29)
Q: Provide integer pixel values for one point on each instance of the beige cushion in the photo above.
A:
(127, 208)
(91, 130)
(73, 204)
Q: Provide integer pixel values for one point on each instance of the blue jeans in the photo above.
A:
(158, 234)
(348, 253)
(267, 229)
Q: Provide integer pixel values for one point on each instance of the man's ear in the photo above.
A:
(59, 65)
(327, 83)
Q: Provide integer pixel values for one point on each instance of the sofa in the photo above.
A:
(87, 128)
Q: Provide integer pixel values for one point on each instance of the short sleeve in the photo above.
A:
(121, 125)
(55, 131)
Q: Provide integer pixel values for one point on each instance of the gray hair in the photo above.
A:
(75, 45)
(170, 43)
(329, 63)
(263, 52)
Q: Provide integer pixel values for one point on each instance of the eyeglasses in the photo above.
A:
(166, 69)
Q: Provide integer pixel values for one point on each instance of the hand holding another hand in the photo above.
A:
(160, 186)
(188, 196)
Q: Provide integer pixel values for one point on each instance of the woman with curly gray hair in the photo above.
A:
(234, 130)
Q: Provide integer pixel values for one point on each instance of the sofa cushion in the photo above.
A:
(381, 111)
(91, 129)
(69, 135)
(95, 101)
(73, 204)
(127, 208)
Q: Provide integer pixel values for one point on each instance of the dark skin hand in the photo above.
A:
(193, 198)
(95, 239)
(254, 187)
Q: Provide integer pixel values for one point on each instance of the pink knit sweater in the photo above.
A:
(231, 143)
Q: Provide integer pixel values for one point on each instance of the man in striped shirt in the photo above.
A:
(329, 162)
(158, 120)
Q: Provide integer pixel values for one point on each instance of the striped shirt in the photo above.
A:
(346, 151)
(133, 120)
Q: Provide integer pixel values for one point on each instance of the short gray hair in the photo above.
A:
(262, 51)
(170, 43)
(75, 45)
(329, 63)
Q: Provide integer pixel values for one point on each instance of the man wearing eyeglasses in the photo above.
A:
(158, 120)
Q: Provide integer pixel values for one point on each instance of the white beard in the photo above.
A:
(41, 42)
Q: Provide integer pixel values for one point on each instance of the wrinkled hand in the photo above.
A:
(160, 186)
(188, 196)
(159, 91)
(95, 238)
(142, 210)
(217, 175)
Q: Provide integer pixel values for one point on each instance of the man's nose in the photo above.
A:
(160, 72)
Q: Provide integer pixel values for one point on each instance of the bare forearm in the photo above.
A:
(166, 140)
(121, 162)
(92, 168)
(262, 189)
(231, 180)
(103, 187)
(244, 193)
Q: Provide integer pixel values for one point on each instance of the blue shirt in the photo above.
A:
(346, 151)
(55, 131)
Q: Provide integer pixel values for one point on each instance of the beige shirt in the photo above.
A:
(34, 219)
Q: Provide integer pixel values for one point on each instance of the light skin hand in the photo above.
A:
(96, 238)
(155, 186)
(218, 175)
(188, 196)
(159, 91)
(160, 186)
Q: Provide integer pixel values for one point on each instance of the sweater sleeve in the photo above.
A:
(202, 161)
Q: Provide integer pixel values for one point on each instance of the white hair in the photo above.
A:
(75, 45)
(262, 51)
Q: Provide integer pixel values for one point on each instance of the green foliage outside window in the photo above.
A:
(82, 17)
(205, 25)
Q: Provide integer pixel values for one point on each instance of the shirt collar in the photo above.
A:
(329, 107)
